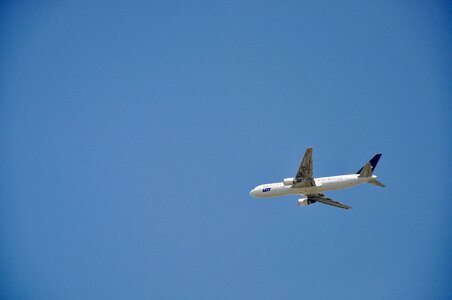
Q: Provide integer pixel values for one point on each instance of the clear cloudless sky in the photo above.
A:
(132, 132)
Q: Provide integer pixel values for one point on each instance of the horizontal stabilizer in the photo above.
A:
(366, 171)
(377, 183)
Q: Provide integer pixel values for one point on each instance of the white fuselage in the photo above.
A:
(322, 184)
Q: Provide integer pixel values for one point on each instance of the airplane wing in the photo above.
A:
(304, 174)
(325, 200)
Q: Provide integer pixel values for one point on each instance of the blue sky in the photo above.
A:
(132, 133)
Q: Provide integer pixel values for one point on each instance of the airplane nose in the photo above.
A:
(252, 192)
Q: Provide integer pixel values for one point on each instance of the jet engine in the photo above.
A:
(305, 202)
(288, 181)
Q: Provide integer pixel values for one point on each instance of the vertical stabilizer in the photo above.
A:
(373, 163)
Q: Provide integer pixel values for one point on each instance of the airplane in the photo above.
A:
(304, 184)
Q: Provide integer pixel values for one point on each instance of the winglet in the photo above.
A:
(373, 163)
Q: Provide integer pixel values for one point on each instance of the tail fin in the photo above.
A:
(373, 163)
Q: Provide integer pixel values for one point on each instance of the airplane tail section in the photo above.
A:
(373, 164)
(369, 168)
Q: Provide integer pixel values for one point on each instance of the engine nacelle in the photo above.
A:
(304, 202)
(288, 181)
